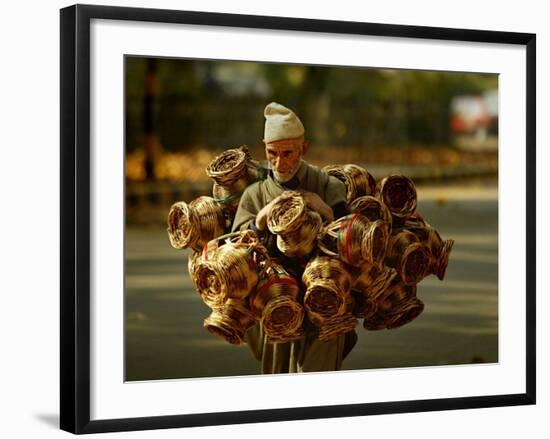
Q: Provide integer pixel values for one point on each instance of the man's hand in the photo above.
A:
(313, 201)
(316, 203)
(261, 217)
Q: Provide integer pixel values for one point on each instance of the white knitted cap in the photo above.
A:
(281, 123)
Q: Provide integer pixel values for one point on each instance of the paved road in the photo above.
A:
(164, 314)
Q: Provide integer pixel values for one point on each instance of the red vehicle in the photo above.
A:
(469, 114)
(474, 117)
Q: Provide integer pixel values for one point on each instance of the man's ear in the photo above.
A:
(305, 146)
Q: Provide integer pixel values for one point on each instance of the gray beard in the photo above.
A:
(282, 179)
(286, 177)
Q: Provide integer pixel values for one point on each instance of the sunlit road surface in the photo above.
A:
(165, 338)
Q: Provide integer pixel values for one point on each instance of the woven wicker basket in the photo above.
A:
(230, 168)
(193, 225)
(372, 208)
(358, 181)
(372, 281)
(408, 256)
(328, 284)
(398, 193)
(295, 225)
(228, 267)
(227, 199)
(232, 171)
(355, 240)
(363, 306)
(338, 325)
(205, 280)
(368, 264)
(230, 321)
(396, 307)
(275, 302)
(182, 223)
(439, 250)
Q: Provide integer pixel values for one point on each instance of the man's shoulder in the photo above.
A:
(254, 190)
(312, 168)
(317, 175)
(317, 171)
(331, 190)
(311, 172)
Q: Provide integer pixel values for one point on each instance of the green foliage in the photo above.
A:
(217, 104)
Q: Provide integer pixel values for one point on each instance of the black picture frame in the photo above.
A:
(75, 217)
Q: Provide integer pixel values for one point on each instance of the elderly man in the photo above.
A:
(285, 147)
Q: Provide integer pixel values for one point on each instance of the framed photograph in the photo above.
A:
(161, 109)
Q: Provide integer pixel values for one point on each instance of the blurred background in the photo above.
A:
(438, 128)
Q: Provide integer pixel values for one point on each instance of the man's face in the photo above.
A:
(284, 157)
